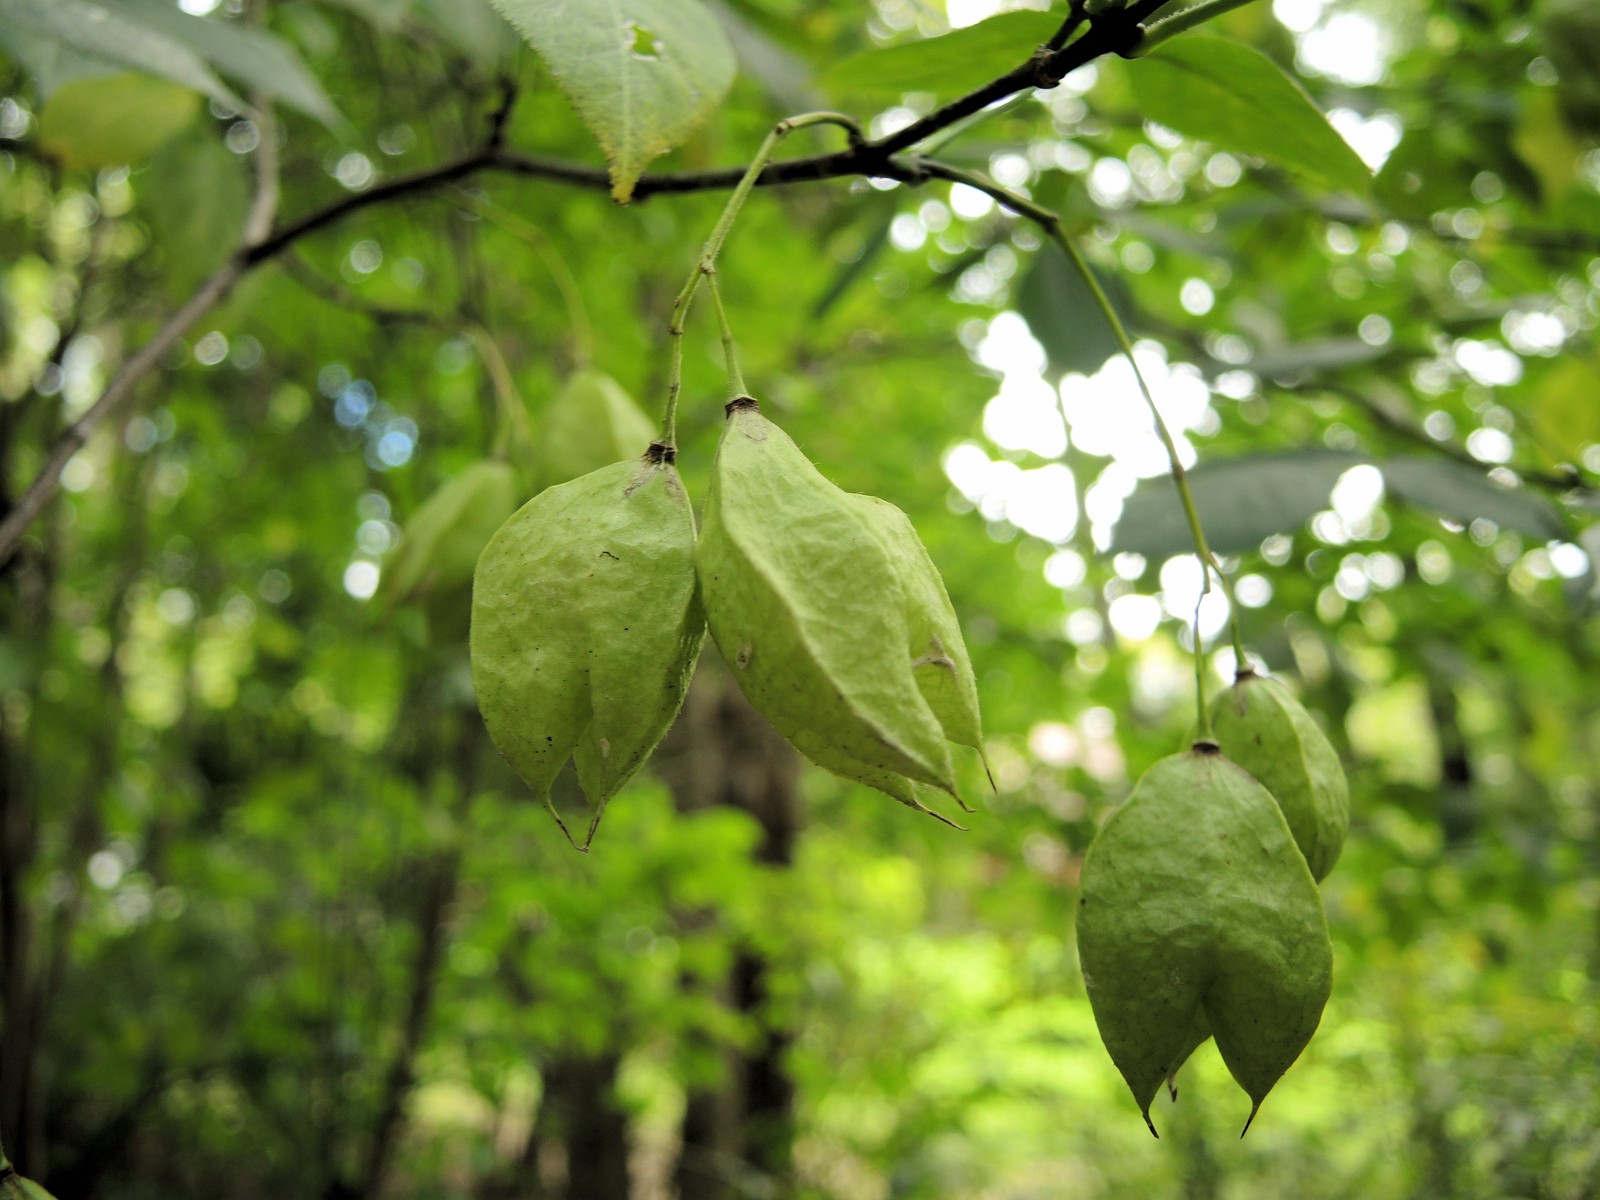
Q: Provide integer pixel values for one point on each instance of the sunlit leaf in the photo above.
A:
(1238, 99)
(1566, 404)
(948, 65)
(113, 119)
(643, 74)
(39, 32)
(253, 58)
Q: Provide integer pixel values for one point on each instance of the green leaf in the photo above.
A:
(1062, 313)
(51, 64)
(1544, 142)
(474, 28)
(1236, 98)
(1564, 406)
(787, 79)
(39, 31)
(113, 119)
(878, 217)
(952, 64)
(643, 74)
(194, 196)
(1240, 501)
(253, 58)
(1314, 356)
(1463, 494)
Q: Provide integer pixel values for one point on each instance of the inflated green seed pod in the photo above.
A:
(440, 544)
(939, 660)
(826, 617)
(16, 1187)
(1262, 727)
(1198, 1034)
(586, 626)
(1195, 900)
(592, 422)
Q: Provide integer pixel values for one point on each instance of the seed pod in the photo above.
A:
(440, 544)
(16, 1186)
(592, 422)
(939, 661)
(1264, 729)
(586, 626)
(815, 598)
(1199, 1033)
(1194, 900)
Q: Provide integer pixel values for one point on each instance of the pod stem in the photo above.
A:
(1207, 732)
(736, 386)
(705, 265)
(1180, 477)
(1050, 223)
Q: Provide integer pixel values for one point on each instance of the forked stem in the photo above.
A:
(730, 352)
(705, 265)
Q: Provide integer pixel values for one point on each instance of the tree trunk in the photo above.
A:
(723, 752)
(581, 1102)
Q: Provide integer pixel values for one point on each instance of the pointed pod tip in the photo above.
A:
(550, 807)
(939, 816)
(1248, 1120)
(1151, 1125)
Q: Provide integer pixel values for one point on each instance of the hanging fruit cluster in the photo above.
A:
(590, 604)
(1199, 916)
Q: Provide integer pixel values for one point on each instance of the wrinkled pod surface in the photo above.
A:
(586, 626)
(832, 617)
(1195, 903)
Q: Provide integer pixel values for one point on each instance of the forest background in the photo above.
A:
(275, 919)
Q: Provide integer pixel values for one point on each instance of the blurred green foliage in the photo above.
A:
(278, 922)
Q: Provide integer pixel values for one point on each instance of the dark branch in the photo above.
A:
(1114, 31)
